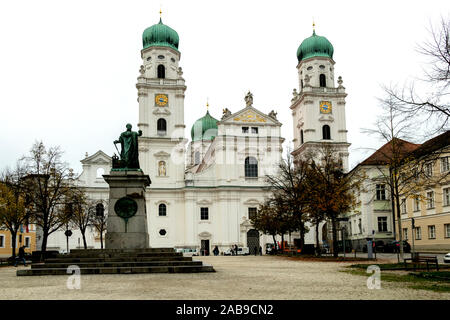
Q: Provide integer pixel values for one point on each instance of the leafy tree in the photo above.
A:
(13, 205)
(267, 220)
(331, 191)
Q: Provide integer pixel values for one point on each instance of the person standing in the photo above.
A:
(256, 251)
(260, 250)
(216, 251)
(21, 257)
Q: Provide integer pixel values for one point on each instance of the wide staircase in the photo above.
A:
(117, 261)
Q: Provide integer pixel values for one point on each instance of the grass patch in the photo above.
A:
(400, 266)
(327, 258)
(438, 281)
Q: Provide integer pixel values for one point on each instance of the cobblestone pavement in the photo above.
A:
(242, 277)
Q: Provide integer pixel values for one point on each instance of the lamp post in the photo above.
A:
(413, 227)
(68, 233)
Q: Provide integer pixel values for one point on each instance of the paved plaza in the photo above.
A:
(241, 277)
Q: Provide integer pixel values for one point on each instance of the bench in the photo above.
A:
(420, 259)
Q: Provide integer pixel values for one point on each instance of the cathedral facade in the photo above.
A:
(205, 189)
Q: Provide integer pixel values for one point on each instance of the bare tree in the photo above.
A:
(48, 183)
(398, 168)
(289, 195)
(432, 108)
(82, 211)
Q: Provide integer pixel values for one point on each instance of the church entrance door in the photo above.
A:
(253, 241)
(204, 250)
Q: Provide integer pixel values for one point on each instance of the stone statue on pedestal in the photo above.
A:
(129, 154)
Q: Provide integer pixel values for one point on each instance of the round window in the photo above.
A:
(160, 56)
(322, 66)
(162, 232)
(309, 68)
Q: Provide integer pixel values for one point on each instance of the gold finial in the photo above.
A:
(207, 104)
(160, 13)
(314, 27)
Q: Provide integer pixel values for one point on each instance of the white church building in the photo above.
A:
(204, 190)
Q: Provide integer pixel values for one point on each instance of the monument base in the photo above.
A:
(126, 226)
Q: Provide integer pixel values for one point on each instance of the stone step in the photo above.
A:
(115, 264)
(80, 251)
(116, 259)
(120, 255)
(118, 270)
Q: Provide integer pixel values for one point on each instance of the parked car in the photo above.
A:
(447, 258)
(242, 251)
(380, 246)
(394, 246)
(188, 252)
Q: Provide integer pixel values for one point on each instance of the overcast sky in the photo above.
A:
(68, 69)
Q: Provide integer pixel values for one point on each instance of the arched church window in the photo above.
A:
(322, 80)
(326, 132)
(162, 210)
(251, 167)
(301, 136)
(197, 157)
(161, 71)
(161, 127)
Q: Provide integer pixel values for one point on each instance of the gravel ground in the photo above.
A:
(236, 278)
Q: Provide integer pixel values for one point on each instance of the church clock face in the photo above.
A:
(161, 100)
(325, 106)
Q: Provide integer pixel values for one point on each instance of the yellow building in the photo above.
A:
(28, 239)
(429, 207)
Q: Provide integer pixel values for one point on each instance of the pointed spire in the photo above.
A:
(314, 28)
(207, 105)
(160, 15)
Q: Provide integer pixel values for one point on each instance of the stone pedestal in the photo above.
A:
(129, 188)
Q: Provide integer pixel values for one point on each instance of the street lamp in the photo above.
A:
(68, 233)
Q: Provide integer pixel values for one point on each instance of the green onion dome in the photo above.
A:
(315, 46)
(160, 35)
(204, 128)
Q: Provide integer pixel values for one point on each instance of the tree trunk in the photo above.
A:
(399, 221)
(274, 242)
(101, 239)
(317, 240)
(44, 243)
(335, 243)
(13, 242)
(83, 233)
(392, 203)
(282, 243)
(302, 238)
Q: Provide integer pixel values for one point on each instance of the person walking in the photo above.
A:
(21, 257)
(216, 251)
(260, 250)
(256, 251)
